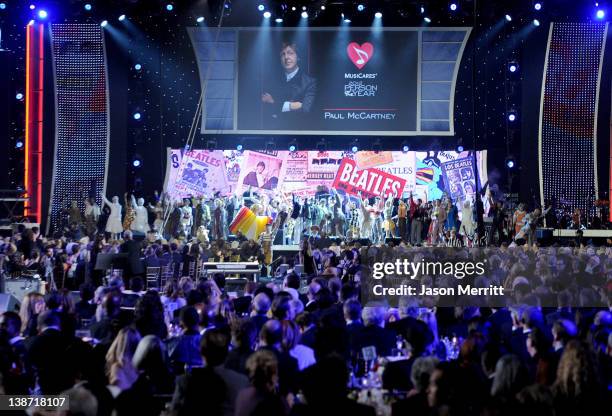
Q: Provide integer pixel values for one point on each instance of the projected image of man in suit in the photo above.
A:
(287, 100)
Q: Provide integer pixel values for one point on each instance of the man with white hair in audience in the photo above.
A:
(373, 333)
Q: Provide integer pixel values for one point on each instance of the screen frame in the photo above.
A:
(417, 132)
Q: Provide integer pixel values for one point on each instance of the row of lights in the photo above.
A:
(354, 148)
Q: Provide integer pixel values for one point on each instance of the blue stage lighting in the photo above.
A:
(169, 7)
(261, 7)
(360, 7)
(347, 20)
(304, 15)
(32, 6)
(136, 116)
(508, 18)
(378, 15)
(459, 149)
(278, 20)
(137, 67)
(200, 19)
(510, 162)
(2, 6)
(292, 148)
(267, 15)
(600, 14)
(427, 19)
(42, 14)
(31, 22)
(536, 22)
(354, 148)
(511, 116)
(239, 147)
(136, 163)
(405, 148)
(87, 7)
(512, 67)
(19, 96)
(537, 6)
(19, 144)
(104, 23)
(122, 18)
(453, 6)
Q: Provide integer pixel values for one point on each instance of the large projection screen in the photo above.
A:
(379, 81)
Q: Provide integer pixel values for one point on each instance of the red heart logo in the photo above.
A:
(360, 54)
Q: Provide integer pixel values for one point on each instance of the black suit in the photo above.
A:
(288, 371)
(132, 249)
(46, 355)
(372, 335)
(301, 88)
(416, 332)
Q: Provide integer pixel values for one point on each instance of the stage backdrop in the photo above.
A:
(391, 81)
(427, 174)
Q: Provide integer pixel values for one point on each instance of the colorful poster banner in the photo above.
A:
(368, 182)
(459, 178)
(307, 173)
(202, 172)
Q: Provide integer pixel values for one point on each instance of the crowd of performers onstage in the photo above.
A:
(285, 219)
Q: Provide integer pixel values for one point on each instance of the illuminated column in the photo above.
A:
(34, 120)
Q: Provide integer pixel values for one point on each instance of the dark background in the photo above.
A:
(167, 88)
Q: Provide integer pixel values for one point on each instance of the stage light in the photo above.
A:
(422, 9)
(261, 7)
(31, 22)
(2, 6)
(360, 7)
(453, 6)
(42, 14)
(122, 18)
(137, 67)
(512, 66)
(136, 162)
(279, 20)
(600, 14)
(137, 116)
(427, 19)
(508, 18)
(304, 15)
(87, 7)
(32, 6)
(19, 144)
(292, 148)
(104, 23)
(303, 8)
(512, 116)
(536, 22)
(239, 147)
(354, 149)
(405, 148)
(322, 7)
(19, 96)
(169, 7)
(378, 15)
(293, 9)
(510, 162)
(459, 148)
(537, 5)
(267, 15)
(347, 20)
(200, 19)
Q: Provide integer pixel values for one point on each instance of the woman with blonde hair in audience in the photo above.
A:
(33, 304)
(119, 369)
(290, 344)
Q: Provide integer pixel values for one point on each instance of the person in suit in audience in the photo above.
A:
(132, 248)
(46, 354)
(270, 339)
(373, 333)
(261, 306)
(413, 330)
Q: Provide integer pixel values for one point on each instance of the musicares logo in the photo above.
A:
(360, 54)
